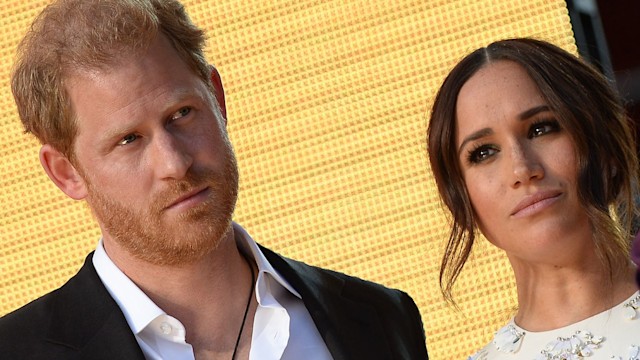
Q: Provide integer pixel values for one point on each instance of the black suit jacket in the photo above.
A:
(357, 319)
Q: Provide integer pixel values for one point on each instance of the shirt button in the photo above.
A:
(165, 328)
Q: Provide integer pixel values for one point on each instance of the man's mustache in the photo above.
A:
(177, 189)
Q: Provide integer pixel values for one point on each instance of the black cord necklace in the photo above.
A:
(246, 310)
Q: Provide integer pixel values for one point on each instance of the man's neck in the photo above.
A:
(207, 296)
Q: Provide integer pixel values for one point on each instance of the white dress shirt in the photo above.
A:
(282, 328)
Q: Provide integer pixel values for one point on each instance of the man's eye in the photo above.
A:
(128, 139)
(181, 113)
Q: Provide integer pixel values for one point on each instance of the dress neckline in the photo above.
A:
(510, 337)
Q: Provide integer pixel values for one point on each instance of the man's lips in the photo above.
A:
(189, 197)
(534, 202)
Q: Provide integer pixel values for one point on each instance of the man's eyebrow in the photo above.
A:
(176, 97)
(110, 135)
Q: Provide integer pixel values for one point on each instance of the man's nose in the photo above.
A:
(171, 158)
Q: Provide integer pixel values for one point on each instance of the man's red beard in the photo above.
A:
(148, 234)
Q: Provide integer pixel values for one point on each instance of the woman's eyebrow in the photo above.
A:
(475, 136)
(533, 111)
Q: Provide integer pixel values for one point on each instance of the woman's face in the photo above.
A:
(519, 167)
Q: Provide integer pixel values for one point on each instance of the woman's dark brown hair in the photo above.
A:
(591, 112)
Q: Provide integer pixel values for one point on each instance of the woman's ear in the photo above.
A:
(219, 91)
(62, 172)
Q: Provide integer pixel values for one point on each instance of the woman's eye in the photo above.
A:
(181, 113)
(128, 139)
(543, 127)
(481, 153)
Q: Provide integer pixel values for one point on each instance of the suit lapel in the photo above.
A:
(87, 321)
(346, 325)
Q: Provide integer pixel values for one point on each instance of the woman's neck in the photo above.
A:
(550, 297)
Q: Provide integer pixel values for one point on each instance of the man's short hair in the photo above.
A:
(71, 36)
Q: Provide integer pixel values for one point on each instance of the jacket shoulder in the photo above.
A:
(355, 287)
(23, 330)
(59, 323)
(332, 297)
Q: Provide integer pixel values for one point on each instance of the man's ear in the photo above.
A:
(62, 172)
(217, 86)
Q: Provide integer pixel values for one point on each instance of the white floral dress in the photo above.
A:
(612, 334)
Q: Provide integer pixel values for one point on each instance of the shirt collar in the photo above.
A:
(139, 310)
(250, 247)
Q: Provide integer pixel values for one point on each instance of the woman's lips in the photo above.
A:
(534, 203)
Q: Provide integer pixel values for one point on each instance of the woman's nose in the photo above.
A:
(525, 165)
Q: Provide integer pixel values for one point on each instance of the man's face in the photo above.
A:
(153, 151)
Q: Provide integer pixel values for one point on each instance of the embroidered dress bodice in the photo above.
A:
(611, 334)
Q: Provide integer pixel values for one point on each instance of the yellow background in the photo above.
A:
(328, 105)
